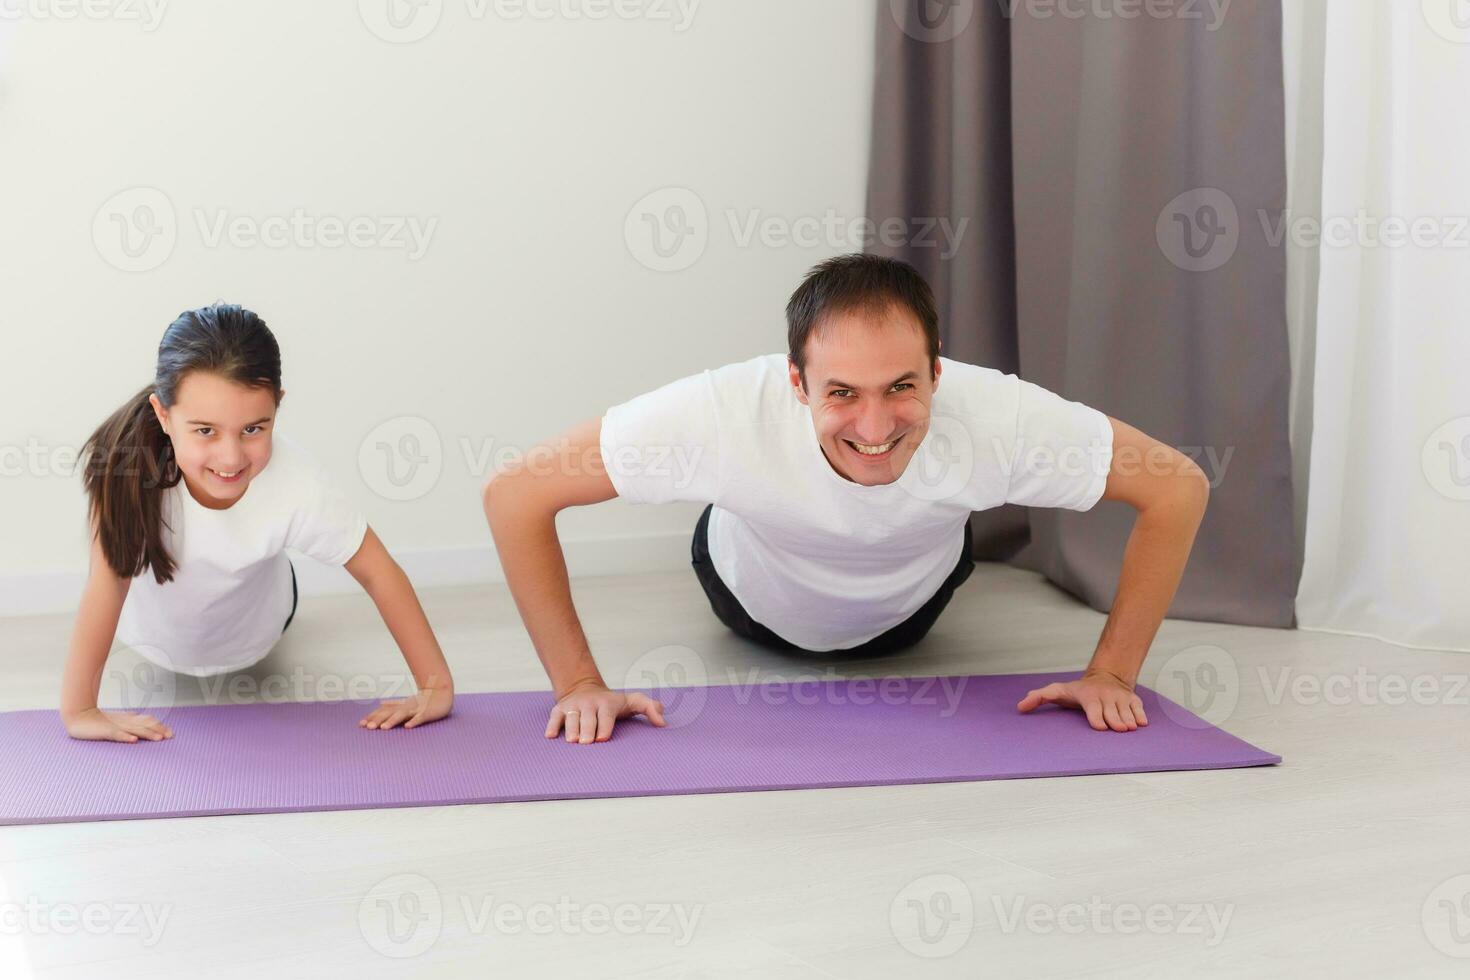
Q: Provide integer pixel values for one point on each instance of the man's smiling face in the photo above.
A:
(869, 383)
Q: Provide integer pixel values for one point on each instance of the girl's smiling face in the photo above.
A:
(221, 434)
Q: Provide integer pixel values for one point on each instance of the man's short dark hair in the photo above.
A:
(858, 282)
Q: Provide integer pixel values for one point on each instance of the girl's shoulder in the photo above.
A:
(292, 466)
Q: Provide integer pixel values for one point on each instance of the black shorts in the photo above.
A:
(734, 616)
(293, 598)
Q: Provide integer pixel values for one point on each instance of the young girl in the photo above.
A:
(192, 502)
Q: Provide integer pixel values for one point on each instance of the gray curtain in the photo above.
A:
(1121, 178)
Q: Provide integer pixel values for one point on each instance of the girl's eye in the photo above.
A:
(255, 427)
(204, 430)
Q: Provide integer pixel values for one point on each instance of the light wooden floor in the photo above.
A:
(1343, 861)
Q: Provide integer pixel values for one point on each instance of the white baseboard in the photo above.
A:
(47, 593)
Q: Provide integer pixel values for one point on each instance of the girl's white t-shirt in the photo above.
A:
(231, 591)
(821, 561)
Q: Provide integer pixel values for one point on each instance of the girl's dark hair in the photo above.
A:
(129, 460)
(858, 281)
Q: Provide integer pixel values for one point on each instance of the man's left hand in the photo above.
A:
(1107, 701)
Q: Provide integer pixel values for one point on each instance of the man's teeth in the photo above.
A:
(872, 450)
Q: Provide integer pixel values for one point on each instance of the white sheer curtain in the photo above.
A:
(1380, 315)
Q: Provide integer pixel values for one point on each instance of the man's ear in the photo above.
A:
(795, 375)
(938, 370)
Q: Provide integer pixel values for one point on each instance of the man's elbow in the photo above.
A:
(1194, 485)
(494, 491)
(505, 491)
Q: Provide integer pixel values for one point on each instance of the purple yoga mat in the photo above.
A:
(273, 758)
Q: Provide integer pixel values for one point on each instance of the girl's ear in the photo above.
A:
(159, 412)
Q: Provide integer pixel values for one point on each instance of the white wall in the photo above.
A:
(527, 140)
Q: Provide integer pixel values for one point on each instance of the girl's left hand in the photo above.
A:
(429, 704)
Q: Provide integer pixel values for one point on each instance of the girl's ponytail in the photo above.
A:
(130, 459)
(129, 463)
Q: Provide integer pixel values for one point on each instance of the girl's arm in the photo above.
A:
(390, 589)
(91, 641)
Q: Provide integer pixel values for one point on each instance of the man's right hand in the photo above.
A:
(97, 725)
(589, 711)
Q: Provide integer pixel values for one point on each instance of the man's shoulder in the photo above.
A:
(974, 391)
(754, 389)
(756, 369)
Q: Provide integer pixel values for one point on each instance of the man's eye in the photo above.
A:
(901, 386)
(841, 392)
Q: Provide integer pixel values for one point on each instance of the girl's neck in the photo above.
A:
(206, 501)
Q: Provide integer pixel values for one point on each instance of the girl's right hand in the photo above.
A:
(94, 724)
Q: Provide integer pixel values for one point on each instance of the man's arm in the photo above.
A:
(521, 504)
(1170, 493)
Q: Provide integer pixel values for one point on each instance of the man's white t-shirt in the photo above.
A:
(231, 591)
(823, 562)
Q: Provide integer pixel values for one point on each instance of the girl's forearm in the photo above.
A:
(399, 606)
(91, 641)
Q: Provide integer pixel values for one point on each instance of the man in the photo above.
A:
(839, 480)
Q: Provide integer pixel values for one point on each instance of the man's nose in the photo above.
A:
(874, 424)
